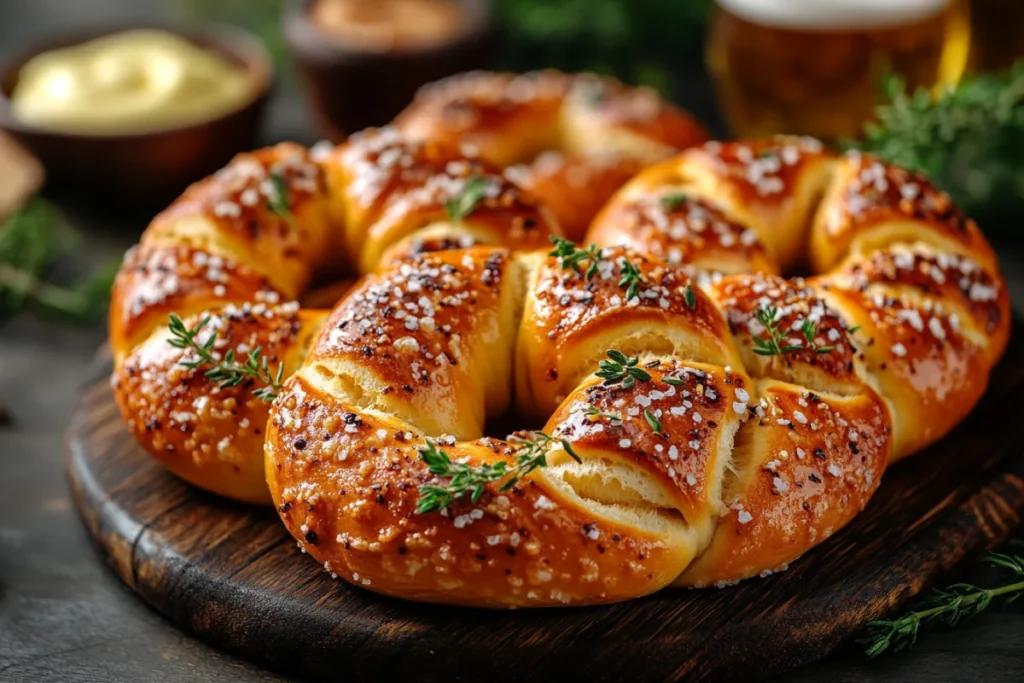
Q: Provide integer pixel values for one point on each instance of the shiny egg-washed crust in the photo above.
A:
(900, 266)
(771, 187)
(200, 431)
(575, 137)
(575, 187)
(256, 234)
(727, 462)
(718, 464)
(423, 350)
(679, 230)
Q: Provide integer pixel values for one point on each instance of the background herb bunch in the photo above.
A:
(32, 240)
(968, 139)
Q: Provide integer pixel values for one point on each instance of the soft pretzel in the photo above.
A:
(238, 245)
(571, 139)
(741, 418)
(762, 416)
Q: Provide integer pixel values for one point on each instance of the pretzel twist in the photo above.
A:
(723, 464)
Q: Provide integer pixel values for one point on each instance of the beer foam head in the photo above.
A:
(834, 14)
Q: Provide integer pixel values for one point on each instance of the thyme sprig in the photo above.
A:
(620, 369)
(631, 279)
(466, 201)
(571, 256)
(279, 199)
(810, 330)
(33, 239)
(463, 479)
(777, 344)
(950, 606)
(227, 371)
(673, 201)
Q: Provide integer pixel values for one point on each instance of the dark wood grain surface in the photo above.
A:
(66, 618)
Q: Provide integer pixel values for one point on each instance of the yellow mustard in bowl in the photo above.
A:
(137, 81)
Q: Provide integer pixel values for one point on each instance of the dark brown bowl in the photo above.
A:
(143, 170)
(350, 88)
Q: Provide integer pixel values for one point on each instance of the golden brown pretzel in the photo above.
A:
(240, 244)
(574, 138)
(759, 420)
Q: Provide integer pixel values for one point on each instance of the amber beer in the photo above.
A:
(815, 66)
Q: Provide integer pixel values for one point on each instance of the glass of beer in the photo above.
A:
(816, 67)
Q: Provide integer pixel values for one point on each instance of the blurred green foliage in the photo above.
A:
(969, 140)
(32, 241)
(640, 41)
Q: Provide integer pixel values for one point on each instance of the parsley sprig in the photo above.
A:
(463, 479)
(776, 343)
(227, 371)
(571, 256)
(466, 201)
(950, 606)
(620, 369)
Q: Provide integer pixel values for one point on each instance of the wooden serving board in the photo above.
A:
(231, 574)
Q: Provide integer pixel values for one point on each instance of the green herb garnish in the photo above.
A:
(228, 371)
(279, 199)
(810, 330)
(621, 369)
(466, 201)
(592, 411)
(571, 256)
(673, 201)
(631, 279)
(966, 139)
(950, 606)
(690, 297)
(775, 344)
(31, 240)
(464, 479)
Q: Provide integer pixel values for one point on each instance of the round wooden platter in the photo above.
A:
(231, 574)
